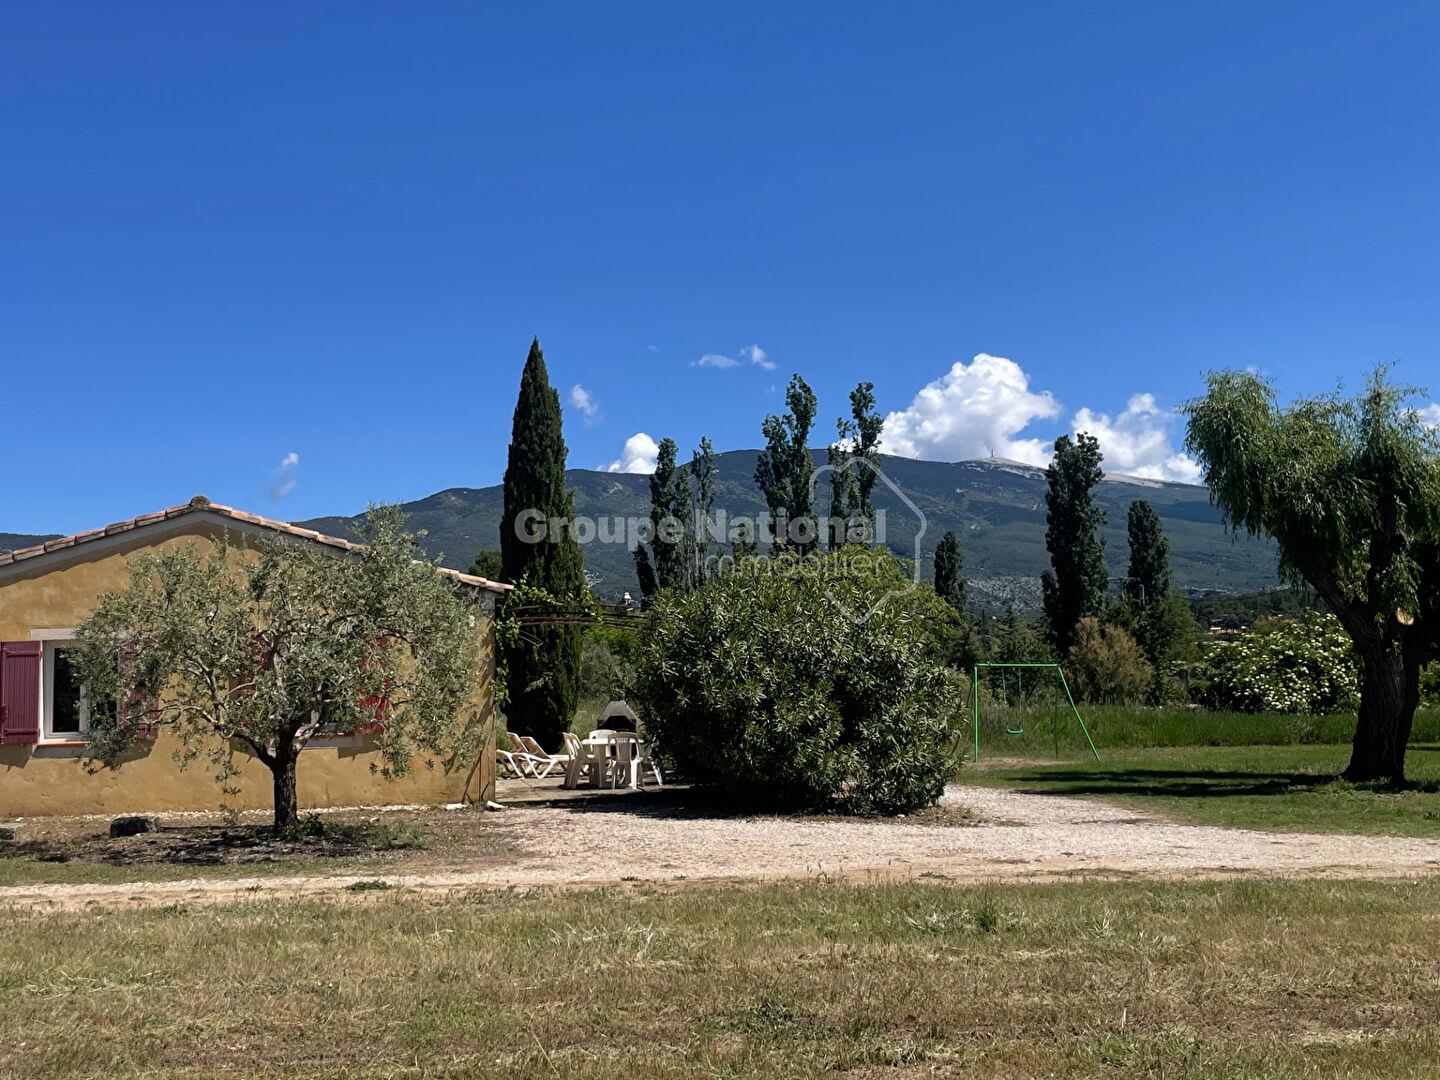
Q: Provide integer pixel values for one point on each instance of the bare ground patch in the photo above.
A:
(976, 834)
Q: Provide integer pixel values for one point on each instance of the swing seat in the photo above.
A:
(1014, 730)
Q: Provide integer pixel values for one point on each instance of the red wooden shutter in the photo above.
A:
(375, 704)
(20, 663)
(139, 711)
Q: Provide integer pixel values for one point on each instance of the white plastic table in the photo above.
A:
(596, 768)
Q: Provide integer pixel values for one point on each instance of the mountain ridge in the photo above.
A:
(995, 506)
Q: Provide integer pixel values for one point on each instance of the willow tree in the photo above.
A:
(1350, 491)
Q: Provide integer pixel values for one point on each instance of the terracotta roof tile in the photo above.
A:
(200, 504)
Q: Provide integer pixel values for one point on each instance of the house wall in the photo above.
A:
(51, 779)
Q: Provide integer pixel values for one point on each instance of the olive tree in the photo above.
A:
(1349, 488)
(268, 646)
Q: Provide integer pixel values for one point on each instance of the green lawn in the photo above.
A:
(1128, 727)
(1288, 788)
(1232, 979)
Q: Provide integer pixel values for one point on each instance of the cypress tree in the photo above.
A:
(949, 582)
(670, 499)
(1148, 583)
(486, 564)
(681, 499)
(1013, 643)
(1075, 588)
(542, 668)
(963, 646)
(645, 573)
(1147, 589)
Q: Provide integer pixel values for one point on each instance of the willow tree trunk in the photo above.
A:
(1389, 694)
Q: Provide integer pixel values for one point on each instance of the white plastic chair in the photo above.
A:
(643, 762)
(580, 757)
(625, 759)
(593, 761)
(631, 761)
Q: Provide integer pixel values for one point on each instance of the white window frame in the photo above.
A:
(53, 641)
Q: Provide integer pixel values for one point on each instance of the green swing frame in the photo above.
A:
(1055, 730)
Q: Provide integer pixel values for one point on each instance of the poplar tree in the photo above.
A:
(784, 470)
(866, 425)
(703, 464)
(542, 665)
(842, 485)
(857, 439)
(1074, 587)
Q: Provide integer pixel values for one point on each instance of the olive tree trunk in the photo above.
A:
(1389, 695)
(282, 771)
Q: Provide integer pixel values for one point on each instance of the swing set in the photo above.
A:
(1010, 729)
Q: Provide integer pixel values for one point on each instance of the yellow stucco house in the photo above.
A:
(45, 593)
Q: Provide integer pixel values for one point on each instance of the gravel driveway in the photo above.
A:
(1015, 836)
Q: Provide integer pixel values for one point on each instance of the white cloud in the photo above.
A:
(716, 360)
(749, 354)
(1138, 441)
(1430, 415)
(980, 409)
(757, 356)
(975, 410)
(637, 456)
(285, 476)
(585, 402)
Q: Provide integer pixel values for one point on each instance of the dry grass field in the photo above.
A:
(1208, 979)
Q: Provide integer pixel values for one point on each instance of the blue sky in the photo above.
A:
(235, 233)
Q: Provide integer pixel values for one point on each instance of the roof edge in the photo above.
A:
(200, 504)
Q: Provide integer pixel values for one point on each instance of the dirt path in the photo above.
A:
(1017, 837)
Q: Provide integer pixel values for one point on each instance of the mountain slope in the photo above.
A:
(996, 507)
(16, 541)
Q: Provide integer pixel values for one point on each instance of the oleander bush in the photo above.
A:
(804, 684)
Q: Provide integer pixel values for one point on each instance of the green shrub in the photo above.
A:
(1430, 684)
(1284, 665)
(1107, 665)
(809, 684)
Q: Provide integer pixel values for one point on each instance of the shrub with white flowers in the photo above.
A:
(1285, 665)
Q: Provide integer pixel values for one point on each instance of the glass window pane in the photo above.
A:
(65, 704)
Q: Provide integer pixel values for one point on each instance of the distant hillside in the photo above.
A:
(1243, 609)
(996, 507)
(15, 541)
